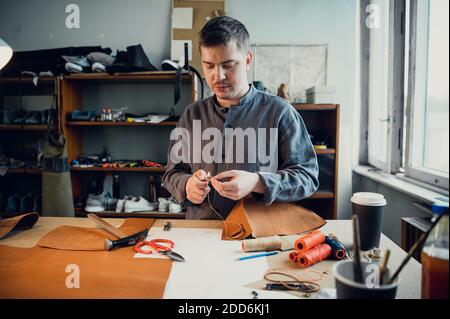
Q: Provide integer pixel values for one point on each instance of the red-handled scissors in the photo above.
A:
(161, 246)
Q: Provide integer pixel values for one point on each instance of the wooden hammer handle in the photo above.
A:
(106, 226)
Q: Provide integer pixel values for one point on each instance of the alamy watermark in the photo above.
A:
(234, 145)
(73, 17)
(373, 19)
(73, 279)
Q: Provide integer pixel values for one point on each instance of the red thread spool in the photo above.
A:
(309, 241)
(293, 256)
(315, 255)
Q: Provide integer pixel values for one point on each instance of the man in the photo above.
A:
(237, 111)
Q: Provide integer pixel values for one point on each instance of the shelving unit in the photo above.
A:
(71, 98)
(14, 136)
(324, 118)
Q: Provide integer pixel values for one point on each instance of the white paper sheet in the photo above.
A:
(222, 275)
(177, 50)
(182, 18)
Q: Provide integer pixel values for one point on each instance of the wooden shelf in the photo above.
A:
(88, 123)
(314, 107)
(24, 127)
(120, 169)
(325, 151)
(30, 171)
(135, 77)
(322, 195)
(28, 80)
(154, 214)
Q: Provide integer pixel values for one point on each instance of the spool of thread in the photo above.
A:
(338, 249)
(293, 256)
(262, 244)
(309, 241)
(315, 255)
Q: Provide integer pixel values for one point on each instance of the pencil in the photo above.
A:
(271, 253)
(383, 267)
(356, 253)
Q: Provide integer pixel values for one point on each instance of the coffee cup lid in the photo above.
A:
(369, 199)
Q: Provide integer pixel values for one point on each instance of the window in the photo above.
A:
(378, 87)
(408, 92)
(427, 140)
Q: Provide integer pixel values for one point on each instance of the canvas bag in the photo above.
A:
(57, 198)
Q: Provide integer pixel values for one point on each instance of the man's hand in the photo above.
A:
(197, 187)
(238, 184)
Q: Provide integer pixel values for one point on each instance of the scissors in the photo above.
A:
(161, 246)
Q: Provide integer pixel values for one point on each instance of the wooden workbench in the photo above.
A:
(410, 277)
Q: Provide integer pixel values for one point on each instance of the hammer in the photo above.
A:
(123, 240)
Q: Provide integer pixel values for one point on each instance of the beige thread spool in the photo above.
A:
(262, 244)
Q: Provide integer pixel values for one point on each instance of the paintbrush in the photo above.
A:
(357, 270)
(383, 267)
(413, 249)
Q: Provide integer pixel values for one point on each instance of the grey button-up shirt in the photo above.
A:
(287, 165)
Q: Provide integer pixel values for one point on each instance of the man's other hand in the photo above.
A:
(237, 184)
(197, 187)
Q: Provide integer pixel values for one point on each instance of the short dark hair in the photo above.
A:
(221, 31)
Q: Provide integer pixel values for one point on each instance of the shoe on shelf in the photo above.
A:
(13, 203)
(19, 116)
(174, 207)
(163, 204)
(2, 202)
(139, 204)
(120, 207)
(37, 203)
(9, 116)
(26, 203)
(33, 117)
(100, 203)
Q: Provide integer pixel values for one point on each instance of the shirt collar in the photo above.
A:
(246, 99)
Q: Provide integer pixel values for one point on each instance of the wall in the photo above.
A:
(28, 25)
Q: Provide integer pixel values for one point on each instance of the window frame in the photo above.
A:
(422, 174)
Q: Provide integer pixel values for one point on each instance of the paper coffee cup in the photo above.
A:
(369, 207)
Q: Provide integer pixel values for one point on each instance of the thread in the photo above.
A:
(239, 235)
(314, 255)
(293, 256)
(262, 244)
(309, 241)
(338, 249)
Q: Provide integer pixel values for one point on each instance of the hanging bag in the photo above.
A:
(57, 198)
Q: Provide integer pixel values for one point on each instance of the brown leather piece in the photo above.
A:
(41, 273)
(277, 219)
(22, 222)
(82, 238)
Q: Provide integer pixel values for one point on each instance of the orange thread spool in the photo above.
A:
(293, 256)
(309, 241)
(314, 255)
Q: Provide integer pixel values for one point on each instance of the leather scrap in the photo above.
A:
(21, 222)
(83, 238)
(259, 220)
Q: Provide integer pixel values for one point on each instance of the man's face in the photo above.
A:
(225, 69)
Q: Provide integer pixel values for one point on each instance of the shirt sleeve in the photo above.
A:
(177, 173)
(298, 170)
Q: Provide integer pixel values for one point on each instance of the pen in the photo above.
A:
(271, 253)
